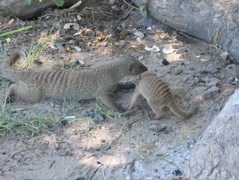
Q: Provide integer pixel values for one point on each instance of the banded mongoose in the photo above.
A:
(33, 86)
(158, 96)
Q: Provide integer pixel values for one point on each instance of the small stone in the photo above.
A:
(168, 51)
(177, 172)
(141, 57)
(90, 114)
(63, 122)
(121, 44)
(77, 48)
(79, 62)
(210, 92)
(138, 34)
(224, 55)
(101, 117)
(80, 178)
(212, 82)
(233, 81)
(182, 64)
(176, 71)
(165, 62)
(74, 26)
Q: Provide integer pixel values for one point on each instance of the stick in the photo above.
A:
(76, 5)
(15, 31)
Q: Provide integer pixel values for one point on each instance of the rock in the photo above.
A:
(168, 51)
(216, 153)
(23, 11)
(165, 62)
(138, 34)
(177, 172)
(210, 20)
(80, 178)
(101, 117)
(176, 70)
(210, 92)
(233, 81)
(152, 49)
(212, 82)
(224, 55)
(121, 44)
(74, 26)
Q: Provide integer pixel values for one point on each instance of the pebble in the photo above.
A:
(79, 62)
(182, 64)
(74, 26)
(224, 55)
(210, 92)
(212, 82)
(80, 178)
(138, 34)
(165, 62)
(177, 172)
(77, 48)
(121, 44)
(101, 117)
(233, 81)
(176, 71)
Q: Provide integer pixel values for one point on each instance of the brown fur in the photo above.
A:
(33, 86)
(158, 96)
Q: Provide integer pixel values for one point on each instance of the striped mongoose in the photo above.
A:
(158, 96)
(33, 86)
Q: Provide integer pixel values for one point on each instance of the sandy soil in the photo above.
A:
(95, 144)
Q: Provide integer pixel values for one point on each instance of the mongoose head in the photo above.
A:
(136, 67)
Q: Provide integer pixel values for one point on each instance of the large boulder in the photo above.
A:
(215, 21)
(216, 153)
(24, 11)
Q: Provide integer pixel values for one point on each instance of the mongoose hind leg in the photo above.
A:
(109, 103)
(28, 92)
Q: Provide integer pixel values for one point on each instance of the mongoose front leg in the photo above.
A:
(135, 98)
(11, 95)
(157, 109)
(109, 103)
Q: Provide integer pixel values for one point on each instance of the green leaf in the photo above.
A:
(59, 2)
(143, 10)
(29, 1)
(32, 1)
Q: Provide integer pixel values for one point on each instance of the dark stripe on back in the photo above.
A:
(52, 77)
(47, 76)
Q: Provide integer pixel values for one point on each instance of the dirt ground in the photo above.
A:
(86, 142)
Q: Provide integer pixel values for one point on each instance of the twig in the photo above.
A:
(131, 168)
(95, 171)
(127, 12)
(190, 37)
(103, 174)
(18, 152)
(52, 164)
(131, 5)
(120, 134)
(220, 107)
(76, 5)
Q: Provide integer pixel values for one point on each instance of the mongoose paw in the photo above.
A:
(10, 99)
